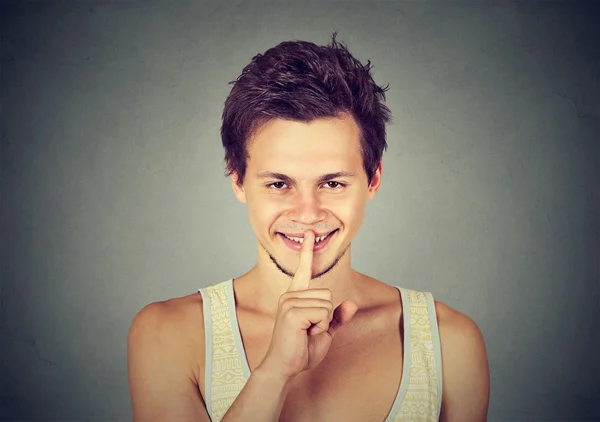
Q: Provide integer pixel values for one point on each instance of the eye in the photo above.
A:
(337, 184)
(276, 183)
(280, 185)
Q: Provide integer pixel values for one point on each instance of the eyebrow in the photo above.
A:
(290, 180)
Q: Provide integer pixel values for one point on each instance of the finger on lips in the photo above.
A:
(301, 279)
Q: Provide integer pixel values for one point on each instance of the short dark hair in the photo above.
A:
(301, 81)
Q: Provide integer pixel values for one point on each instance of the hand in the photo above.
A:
(306, 321)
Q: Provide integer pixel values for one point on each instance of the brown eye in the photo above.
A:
(277, 183)
(337, 184)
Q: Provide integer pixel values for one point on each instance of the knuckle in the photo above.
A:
(290, 305)
(329, 311)
(290, 314)
(284, 307)
(284, 298)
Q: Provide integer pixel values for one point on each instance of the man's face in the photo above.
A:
(286, 193)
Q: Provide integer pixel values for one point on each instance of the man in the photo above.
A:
(302, 336)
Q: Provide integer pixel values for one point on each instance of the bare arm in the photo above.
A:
(161, 382)
(159, 363)
(261, 399)
(466, 379)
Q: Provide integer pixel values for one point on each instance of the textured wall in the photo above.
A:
(113, 195)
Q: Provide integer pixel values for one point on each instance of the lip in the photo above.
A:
(302, 234)
(295, 246)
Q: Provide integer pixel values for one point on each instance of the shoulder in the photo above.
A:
(172, 329)
(457, 327)
(164, 342)
(176, 316)
(465, 372)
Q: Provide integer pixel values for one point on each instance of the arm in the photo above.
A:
(261, 399)
(160, 359)
(466, 379)
(161, 381)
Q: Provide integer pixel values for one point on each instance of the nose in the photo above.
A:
(306, 208)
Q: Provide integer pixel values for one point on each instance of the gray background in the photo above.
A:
(113, 192)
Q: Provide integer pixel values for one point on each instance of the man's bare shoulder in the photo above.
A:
(458, 331)
(465, 371)
(165, 341)
(178, 322)
(179, 314)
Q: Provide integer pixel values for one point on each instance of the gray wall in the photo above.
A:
(113, 194)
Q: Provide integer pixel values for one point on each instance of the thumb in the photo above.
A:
(341, 315)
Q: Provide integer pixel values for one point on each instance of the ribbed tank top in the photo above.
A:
(419, 395)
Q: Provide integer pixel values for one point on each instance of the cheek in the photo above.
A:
(262, 213)
(349, 207)
(351, 215)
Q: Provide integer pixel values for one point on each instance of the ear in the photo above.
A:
(238, 190)
(375, 182)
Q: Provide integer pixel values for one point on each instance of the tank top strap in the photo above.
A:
(224, 376)
(423, 398)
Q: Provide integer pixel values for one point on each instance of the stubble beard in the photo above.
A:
(313, 276)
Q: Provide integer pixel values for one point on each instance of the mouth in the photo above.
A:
(295, 243)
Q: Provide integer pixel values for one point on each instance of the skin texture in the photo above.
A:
(166, 339)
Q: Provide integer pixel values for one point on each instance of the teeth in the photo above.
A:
(301, 239)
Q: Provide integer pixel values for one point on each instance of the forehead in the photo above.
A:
(322, 144)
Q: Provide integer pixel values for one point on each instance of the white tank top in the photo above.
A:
(419, 395)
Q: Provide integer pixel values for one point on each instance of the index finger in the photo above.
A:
(303, 273)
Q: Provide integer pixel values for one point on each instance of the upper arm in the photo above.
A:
(160, 365)
(465, 371)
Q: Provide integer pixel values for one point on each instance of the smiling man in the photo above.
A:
(302, 336)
